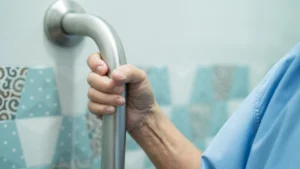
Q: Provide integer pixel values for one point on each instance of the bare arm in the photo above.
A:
(164, 144)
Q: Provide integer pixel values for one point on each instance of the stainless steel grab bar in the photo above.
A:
(63, 22)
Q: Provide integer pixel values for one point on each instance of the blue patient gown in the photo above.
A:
(264, 133)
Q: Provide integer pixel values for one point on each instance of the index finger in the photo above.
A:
(96, 64)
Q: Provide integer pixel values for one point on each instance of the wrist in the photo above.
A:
(147, 118)
(164, 144)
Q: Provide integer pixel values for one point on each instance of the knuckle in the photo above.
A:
(90, 78)
(90, 93)
(129, 67)
(125, 68)
(121, 90)
(143, 73)
(89, 58)
(102, 110)
(90, 107)
(106, 85)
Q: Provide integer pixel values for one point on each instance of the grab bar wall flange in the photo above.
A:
(63, 22)
(53, 23)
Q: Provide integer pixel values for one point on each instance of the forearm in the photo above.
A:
(165, 145)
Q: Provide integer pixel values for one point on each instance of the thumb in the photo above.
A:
(128, 74)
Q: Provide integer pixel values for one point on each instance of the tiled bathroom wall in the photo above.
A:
(45, 124)
(198, 100)
(35, 134)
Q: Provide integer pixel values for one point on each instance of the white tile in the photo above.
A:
(72, 88)
(167, 111)
(135, 159)
(181, 83)
(257, 72)
(233, 105)
(38, 138)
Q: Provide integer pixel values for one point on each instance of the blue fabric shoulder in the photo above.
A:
(264, 133)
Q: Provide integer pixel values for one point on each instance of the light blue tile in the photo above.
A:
(131, 143)
(202, 90)
(199, 143)
(240, 83)
(63, 165)
(81, 142)
(96, 163)
(39, 97)
(48, 166)
(181, 119)
(148, 164)
(219, 117)
(63, 151)
(159, 80)
(81, 164)
(11, 153)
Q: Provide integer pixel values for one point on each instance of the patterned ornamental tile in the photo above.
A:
(11, 153)
(200, 115)
(40, 97)
(12, 81)
(222, 82)
(206, 120)
(94, 129)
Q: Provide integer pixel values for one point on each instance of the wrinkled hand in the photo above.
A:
(105, 93)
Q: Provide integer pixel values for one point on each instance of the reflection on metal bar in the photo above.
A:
(64, 21)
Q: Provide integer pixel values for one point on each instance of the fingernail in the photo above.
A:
(118, 89)
(120, 74)
(110, 109)
(99, 69)
(120, 100)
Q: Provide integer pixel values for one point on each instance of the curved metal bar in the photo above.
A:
(113, 138)
(101, 32)
(63, 21)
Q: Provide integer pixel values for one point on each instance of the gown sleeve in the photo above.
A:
(265, 125)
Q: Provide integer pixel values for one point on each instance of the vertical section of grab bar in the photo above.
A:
(112, 51)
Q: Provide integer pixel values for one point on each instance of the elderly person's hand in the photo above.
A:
(150, 128)
(105, 93)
